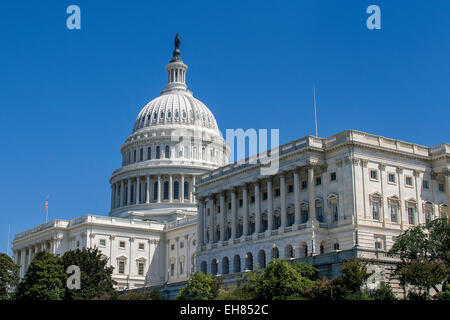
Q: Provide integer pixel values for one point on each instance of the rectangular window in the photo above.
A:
(134, 156)
(441, 187)
(149, 153)
(141, 268)
(290, 188)
(121, 267)
(378, 245)
(102, 242)
(394, 213)
(304, 184)
(391, 178)
(319, 211)
(141, 246)
(122, 244)
(335, 212)
(333, 176)
(427, 216)
(78, 243)
(411, 215)
(241, 203)
(181, 267)
(252, 199)
(172, 247)
(141, 154)
(277, 192)
(218, 209)
(375, 210)
(408, 181)
(373, 174)
(318, 181)
(265, 196)
(425, 184)
(172, 269)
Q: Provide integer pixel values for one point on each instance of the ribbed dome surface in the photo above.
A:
(175, 107)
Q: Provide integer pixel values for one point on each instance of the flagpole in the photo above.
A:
(9, 231)
(315, 109)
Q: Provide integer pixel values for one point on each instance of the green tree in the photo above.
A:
(96, 279)
(199, 287)
(45, 279)
(141, 295)
(354, 275)
(383, 293)
(9, 277)
(424, 253)
(278, 279)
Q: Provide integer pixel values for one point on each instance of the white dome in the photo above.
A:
(175, 107)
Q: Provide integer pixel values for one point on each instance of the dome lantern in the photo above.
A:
(176, 70)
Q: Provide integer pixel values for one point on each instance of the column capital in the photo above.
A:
(399, 169)
(382, 166)
(363, 162)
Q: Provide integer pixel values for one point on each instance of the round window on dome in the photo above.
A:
(191, 115)
(169, 114)
(155, 115)
(161, 115)
(176, 114)
(184, 114)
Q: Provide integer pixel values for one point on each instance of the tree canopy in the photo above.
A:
(45, 279)
(9, 277)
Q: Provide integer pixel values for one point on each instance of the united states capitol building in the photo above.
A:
(177, 205)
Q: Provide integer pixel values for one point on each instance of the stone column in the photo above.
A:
(233, 214)
(23, 253)
(418, 216)
(245, 210)
(224, 216)
(447, 190)
(182, 189)
(200, 225)
(297, 197)
(269, 205)
(159, 189)
(212, 219)
(283, 200)
(400, 195)
(311, 194)
(129, 192)
(138, 190)
(122, 193)
(116, 198)
(147, 193)
(191, 189)
(257, 208)
(170, 188)
(112, 195)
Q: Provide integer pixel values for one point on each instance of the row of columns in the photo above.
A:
(24, 255)
(122, 187)
(208, 203)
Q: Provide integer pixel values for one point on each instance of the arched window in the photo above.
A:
(288, 252)
(166, 190)
(214, 263)
(149, 153)
(186, 190)
(167, 152)
(158, 152)
(155, 191)
(134, 157)
(237, 264)
(275, 253)
(141, 154)
(249, 261)
(261, 259)
(203, 267)
(175, 190)
(225, 266)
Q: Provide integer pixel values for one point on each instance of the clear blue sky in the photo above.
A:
(69, 98)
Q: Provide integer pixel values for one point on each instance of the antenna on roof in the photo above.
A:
(315, 109)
